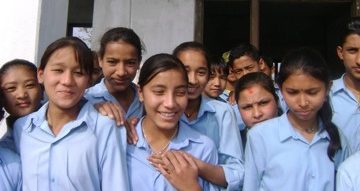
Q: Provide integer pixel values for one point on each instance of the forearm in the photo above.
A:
(212, 173)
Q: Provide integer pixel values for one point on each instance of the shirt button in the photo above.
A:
(52, 180)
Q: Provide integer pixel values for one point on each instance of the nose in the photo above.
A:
(120, 69)
(192, 78)
(303, 101)
(169, 101)
(216, 81)
(22, 93)
(257, 113)
(358, 58)
(67, 78)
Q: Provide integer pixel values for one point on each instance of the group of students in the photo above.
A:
(177, 129)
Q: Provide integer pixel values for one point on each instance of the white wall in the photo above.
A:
(18, 31)
(162, 25)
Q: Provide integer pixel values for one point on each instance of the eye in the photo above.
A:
(78, 73)
(202, 72)
(131, 63)
(291, 91)
(246, 107)
(57, 70)
(10, 89)
(263, 103)
(181, 92)
(158, 91)
(312, 91)
(352, 50)
(30, 85)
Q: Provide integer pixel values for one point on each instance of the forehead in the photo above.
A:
(18, 73)
(168, 78)
(253, 93)
(244, 61)
(352, 40)
(120, 48)
(193, 58)
(301, 80)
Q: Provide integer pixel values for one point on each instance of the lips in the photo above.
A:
(24, 104)
(192, 90)
(356, 69)
(119, 81)
(168, 115)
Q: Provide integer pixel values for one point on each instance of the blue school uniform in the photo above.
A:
(87, 154)
(277, 157)
(10, 170)
(143, 176)
(240, 123)
(216, 120)
(346, 112)
(99, 93)
(348, 174)
(281, 102)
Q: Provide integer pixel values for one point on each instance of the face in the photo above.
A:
(63, 80)
(21, 91)
(245, 65)
(119, 65)
(164, 99)
(349, 53)
(216, 84)
(304, 95)
(196, 67)
(231, 78)
(256, 105)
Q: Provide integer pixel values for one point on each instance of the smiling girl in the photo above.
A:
(67, 144)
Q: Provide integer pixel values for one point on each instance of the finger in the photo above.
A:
(180, 158)
(156, 160)
(107, 109)
(119, 114)
(190, 160)
(99, 108)
(171, 158)
(132, 128)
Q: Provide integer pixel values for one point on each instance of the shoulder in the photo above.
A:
(351, 164)
(9, 157)
(265, 128)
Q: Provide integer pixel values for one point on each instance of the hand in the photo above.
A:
(131, 133)
(180, 170)
(112, 110)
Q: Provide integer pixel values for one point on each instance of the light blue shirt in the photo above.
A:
(216, 120)
(99, 93)
(240, 123)
(348, 174)
(143, 176)
(281, 102)
(346, 112)
(87, 154)
(277, 157)
(10, 170)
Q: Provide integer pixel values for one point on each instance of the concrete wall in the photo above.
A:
(162, 25)
(28, 26)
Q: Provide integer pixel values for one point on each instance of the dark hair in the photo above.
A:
(244, 49)
(15, 63)
(312, 63)
(82, 53)
(255, 78)
(2, 112)
(219, 65)
(160, 63)
(351, 27)
(121, 34)
(267, 60)
(193, 45)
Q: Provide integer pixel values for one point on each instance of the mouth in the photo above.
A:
(356, 69)
(66, 92)
(23, 104)
(168, 115)
(192, 90)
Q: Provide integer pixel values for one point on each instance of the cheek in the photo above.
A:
(246, 116)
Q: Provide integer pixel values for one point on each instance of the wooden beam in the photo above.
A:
(254, 22)
(199, 20)
(355, 8)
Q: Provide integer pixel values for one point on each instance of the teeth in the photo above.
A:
(167, 114)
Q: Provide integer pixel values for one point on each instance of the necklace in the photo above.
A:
(163, 149)
(311, 130)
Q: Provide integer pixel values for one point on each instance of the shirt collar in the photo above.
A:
(286, 130)
(183, 138)
(38, 119)
(338, 85)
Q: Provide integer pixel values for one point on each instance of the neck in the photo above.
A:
(57, 118)
(307, 128)
(124, 97)
(352, 84)
(192, 108)
(158, 139)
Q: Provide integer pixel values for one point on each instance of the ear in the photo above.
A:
(100, 62)
(261, 64)
(339, 51)
(40, 76)
(140, 93)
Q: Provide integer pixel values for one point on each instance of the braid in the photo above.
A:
(325, 114)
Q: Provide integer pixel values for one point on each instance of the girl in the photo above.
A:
(301, 149)
(212, 118)
(21, 91)
(10, 168)
(163, 92)
(256, 99)
(66, 144)
(119, 57)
